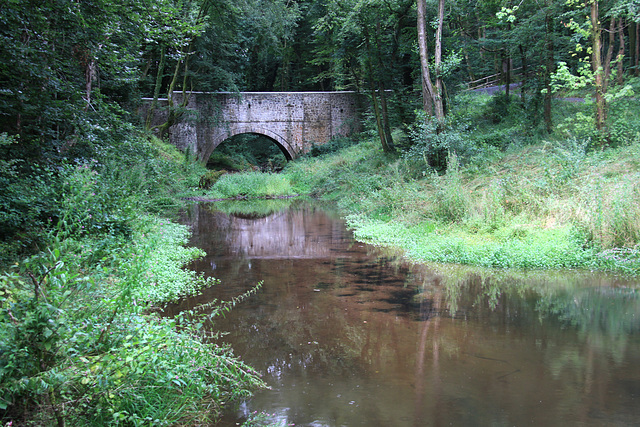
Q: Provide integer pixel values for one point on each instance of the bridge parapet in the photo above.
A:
(293, 120)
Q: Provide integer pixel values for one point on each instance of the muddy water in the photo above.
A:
(347, 334)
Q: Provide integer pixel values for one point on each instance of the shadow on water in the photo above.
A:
(350, 334)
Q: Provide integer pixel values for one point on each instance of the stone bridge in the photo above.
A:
(292, 120)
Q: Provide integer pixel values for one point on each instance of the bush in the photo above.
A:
(209, 179)
(76, 341)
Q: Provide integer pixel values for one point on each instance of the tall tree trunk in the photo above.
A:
(549, 69)
(523, 85)
(383, 96)
(379, 124)
(90, 72)
(374, 99)
(438, 99)
(620, 57)
(506, 68)
(427, 85)
(156, 90)
(609, 56)
(637, 50)
(633, 41)
(385, 117)
(597, 67)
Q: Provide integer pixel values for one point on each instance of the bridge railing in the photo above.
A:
(494, 80)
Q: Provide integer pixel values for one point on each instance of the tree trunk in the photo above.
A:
(379, 125)
(620, 57)
(156, 90)
(633, 41)
(383, 96)
(385, 117)
(637, 51)
(374, 99)
(427, 86)
(523, 85)
(598, 69)
(549, 69)
(609, 55)
(438, 98)
(506, 68)
(89, 77)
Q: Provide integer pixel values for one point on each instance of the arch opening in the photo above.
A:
(249, 150)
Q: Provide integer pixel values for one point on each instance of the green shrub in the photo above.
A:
(76, 341)
(451, 200)
(210, 178)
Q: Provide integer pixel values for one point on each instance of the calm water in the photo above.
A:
(347, 334)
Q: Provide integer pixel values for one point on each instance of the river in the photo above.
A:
(349, 334)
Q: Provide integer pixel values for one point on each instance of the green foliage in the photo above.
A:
(79, 345)
(451, 201)
(209, 178)
(248, 152)
(556, 205)
(335, 144)
(250, 185)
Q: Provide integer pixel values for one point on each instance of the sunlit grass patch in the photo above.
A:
(250, 185)
(554, 205)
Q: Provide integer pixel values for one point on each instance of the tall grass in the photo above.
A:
(551, 204)
(250, 185)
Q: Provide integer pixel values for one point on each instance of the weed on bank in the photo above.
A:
(81, 335)
(544, 204)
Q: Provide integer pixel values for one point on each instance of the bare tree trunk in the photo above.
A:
(609, 55)
(156, 90)
(383, 97)
(385, 117)
(175, 112)
(633, 41)
(598, 69)
(374, 99)
(427, 86)
(523, 85)
(438, 99)
(89, 76)
(506, 69)
(620, 57)
(549, 68)
(379, 125)
(637, 51)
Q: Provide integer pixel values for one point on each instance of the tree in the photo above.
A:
(357, 43)
(431, 94)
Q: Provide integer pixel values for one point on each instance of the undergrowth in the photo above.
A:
(81, 338)
(249, 185)
(553, 202)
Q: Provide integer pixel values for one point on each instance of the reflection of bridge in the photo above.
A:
(290, 234)
(293, 120)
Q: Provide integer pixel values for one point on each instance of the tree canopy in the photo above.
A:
(67, 65)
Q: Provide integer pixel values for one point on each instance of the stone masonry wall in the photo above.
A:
(293, 120)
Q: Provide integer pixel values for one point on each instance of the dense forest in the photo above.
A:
(88, 256)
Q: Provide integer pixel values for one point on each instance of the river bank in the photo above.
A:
(546, 206)
(82, 338)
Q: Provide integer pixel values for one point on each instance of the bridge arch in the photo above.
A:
(284, 145)
(293, 120)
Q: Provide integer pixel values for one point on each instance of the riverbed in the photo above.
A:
(349, 334)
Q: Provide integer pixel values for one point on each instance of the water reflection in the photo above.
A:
(350, 334)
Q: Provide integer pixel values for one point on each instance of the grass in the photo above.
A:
(555, 203)
(249, 185)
